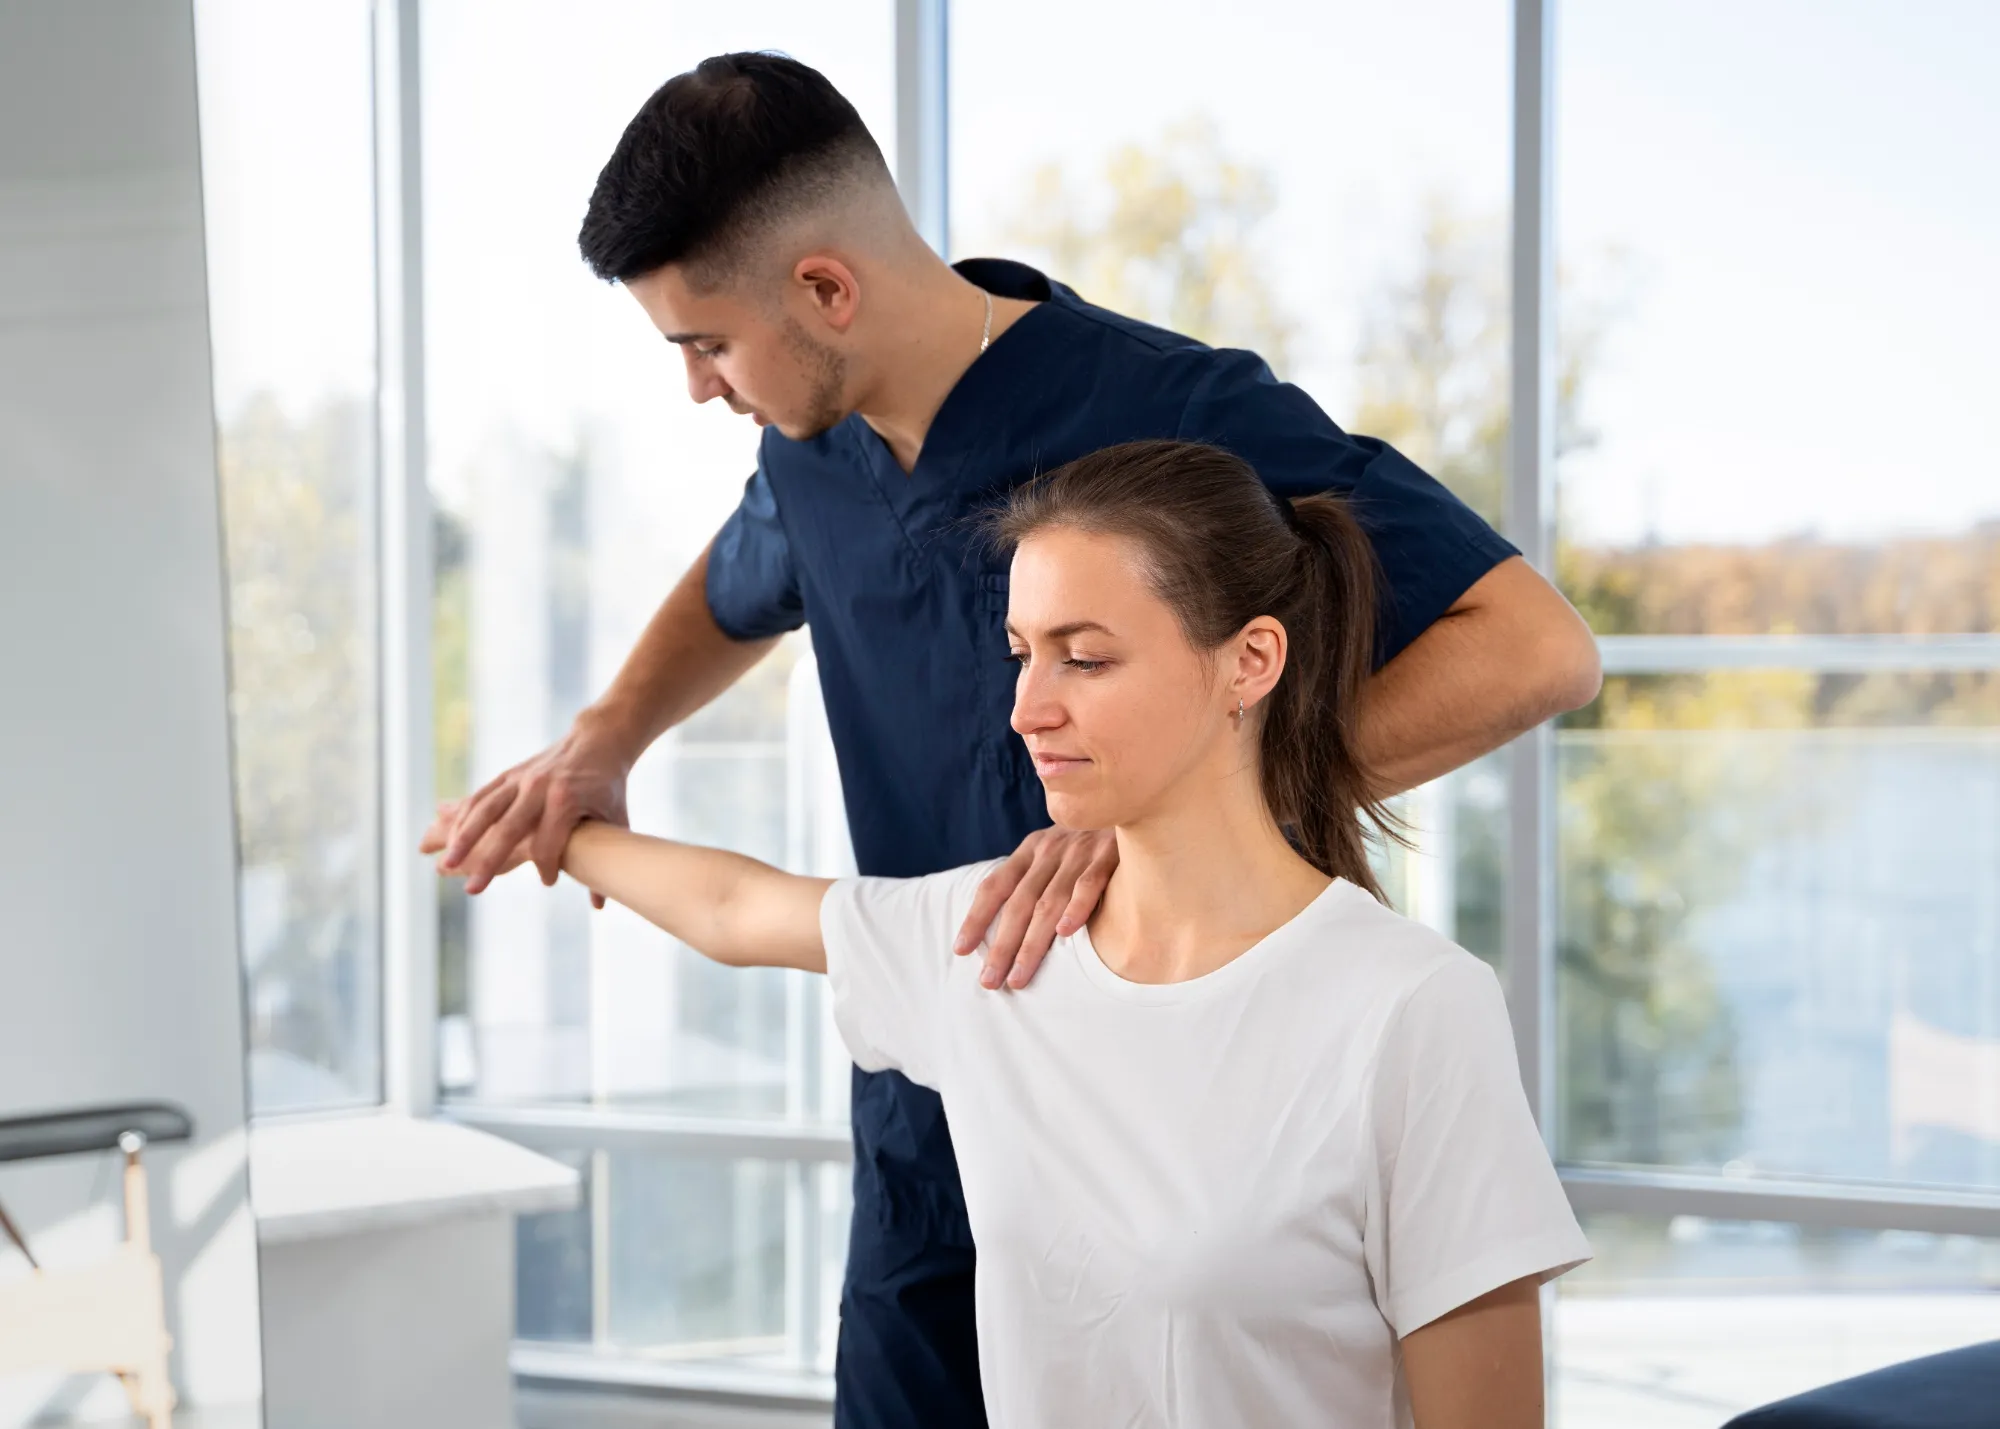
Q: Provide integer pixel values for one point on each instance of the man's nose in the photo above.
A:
(703, 384)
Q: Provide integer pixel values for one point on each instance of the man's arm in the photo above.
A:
(682, 661)
(1510, 653)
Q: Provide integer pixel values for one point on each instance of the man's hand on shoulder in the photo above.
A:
(535, 804)
(1046, 889)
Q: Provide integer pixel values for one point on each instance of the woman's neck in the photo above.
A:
(1198, 885)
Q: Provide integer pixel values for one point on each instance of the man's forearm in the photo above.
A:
(1511, 654)
(681, 662)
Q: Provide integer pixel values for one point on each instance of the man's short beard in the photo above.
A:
(827, 370)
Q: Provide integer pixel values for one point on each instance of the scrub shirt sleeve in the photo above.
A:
(753, 585)
(1464, 1198)
(888, 960)
(1432, 546)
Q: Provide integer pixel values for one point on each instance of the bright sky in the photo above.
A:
(1809, 193)
(1802, 193)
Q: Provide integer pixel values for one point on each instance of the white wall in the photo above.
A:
(118, 950)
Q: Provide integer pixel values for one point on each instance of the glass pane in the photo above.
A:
(683, 1257)
(1684, 1323)
(287, 167)
(1776, 300)
(554, 1301)
(1448, 871)
(1779, 931)
(1200, 171)
(574, 483)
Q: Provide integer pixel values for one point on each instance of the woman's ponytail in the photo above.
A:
(1312, 779)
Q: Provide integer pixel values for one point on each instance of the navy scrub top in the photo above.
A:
(907, 611)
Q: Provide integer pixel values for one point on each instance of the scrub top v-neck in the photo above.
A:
(907, 605)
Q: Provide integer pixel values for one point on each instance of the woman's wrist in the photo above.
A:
(588, 834)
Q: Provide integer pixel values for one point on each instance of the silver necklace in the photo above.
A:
(986, 333)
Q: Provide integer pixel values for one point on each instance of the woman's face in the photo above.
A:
(1118, 710)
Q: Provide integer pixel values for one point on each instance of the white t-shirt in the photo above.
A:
(1216, 1202)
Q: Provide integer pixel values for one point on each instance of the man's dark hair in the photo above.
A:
(739, 142)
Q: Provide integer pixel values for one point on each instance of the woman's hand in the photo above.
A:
(1480, 1367)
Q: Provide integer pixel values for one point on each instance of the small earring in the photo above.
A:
(1239, 711)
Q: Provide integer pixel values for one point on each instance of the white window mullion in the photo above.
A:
(409, 886)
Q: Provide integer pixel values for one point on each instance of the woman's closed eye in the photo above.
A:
(1075, 662)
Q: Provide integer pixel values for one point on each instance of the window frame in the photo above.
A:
(410, 903)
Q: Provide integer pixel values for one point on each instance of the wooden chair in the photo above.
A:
(109, 1317)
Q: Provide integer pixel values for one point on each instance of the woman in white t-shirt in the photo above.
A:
(1251, 1150)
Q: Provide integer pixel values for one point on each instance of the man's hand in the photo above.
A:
(1047, 889)
(535, 803)
(434, 841)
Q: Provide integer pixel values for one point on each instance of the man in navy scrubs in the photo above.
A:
(751, 215)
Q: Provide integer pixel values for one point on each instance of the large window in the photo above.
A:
(573, 483)
(288, 178)
(1776, 946)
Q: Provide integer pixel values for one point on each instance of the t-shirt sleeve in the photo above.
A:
(1431, 545)
(753, 585)
(888, 955)
(1465, 1198)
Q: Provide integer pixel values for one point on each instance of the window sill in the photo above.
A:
(552, 1367)
(339, 1175)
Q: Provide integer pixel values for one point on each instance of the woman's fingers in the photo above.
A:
(439, 833)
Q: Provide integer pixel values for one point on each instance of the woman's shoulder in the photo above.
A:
(1382, 957)
(894, 911)
(951, 885)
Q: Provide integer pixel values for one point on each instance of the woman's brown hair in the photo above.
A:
(1222, 550)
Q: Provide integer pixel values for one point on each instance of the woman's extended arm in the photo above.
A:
(1480, 1367)
(723, 905)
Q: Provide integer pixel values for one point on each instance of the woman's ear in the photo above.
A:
(1260, 647)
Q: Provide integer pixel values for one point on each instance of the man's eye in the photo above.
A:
(707, 351)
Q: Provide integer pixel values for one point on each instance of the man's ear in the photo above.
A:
(830, 289)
